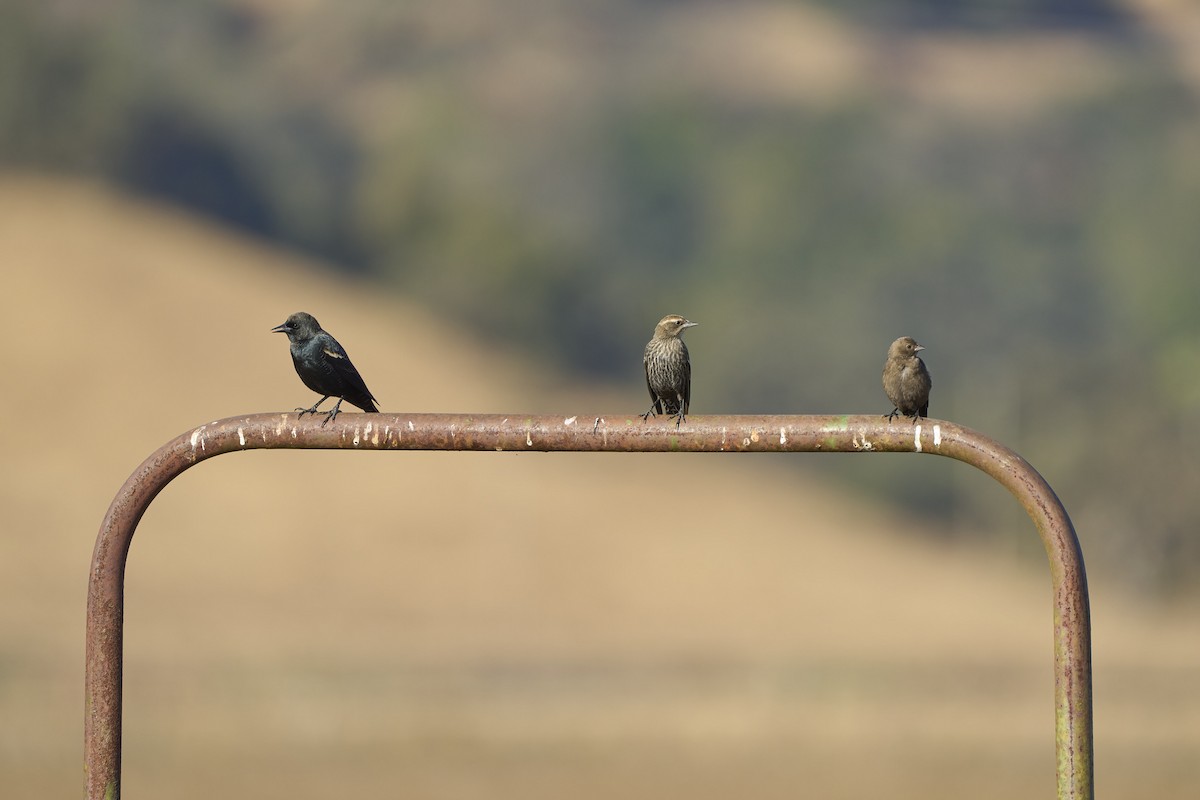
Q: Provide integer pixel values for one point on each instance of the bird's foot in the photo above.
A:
(648, 415)
(895, 413)
(332, 413)
(312, 410)
(679, 419)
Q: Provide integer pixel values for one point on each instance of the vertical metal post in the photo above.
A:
(616, 433)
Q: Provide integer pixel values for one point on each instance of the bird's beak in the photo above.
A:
(281, 328)
(918, 348)
(687, 323)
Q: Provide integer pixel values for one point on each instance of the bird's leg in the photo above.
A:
(333, 413)
(312, 410)
(679, 418)
(893, 415)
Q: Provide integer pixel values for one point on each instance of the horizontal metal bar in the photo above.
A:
(588, 433)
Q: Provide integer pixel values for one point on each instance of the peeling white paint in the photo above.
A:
(411, 427)
(862, 444)
(241, 437)
(528, 438)
(917, 438)
(569, 421)
(357, 438)
(937, 435)
(196, 437)
(783, 435)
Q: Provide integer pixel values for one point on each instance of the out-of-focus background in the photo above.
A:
(490, 204)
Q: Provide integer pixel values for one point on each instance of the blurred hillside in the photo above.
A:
(1014, 184)
(483, 625)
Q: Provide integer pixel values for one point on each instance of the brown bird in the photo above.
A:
(669, 369)
(905, 379)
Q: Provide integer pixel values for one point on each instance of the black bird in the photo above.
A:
(323, 365)
(669, 369)
(905, 379)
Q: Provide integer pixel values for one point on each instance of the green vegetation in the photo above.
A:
(1045, 257)
(986, 14)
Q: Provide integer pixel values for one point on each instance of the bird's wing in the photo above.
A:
(337, 358)
(687, 380)
(654, 402)
(331, 347)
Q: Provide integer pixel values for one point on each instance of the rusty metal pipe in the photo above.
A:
(588, 433)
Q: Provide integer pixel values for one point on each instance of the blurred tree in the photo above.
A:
(171, 155)
(988, 14)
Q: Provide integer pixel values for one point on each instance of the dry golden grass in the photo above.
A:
(486, 625)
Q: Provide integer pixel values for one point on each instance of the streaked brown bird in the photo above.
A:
(905, 380)
(669, 369)
(323, 365)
